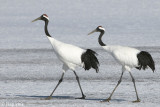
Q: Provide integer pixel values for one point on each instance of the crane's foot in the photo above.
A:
(136, 101)
(83, 97)
(48, 98)
(106, 100)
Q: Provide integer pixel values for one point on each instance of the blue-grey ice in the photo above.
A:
(30, 70)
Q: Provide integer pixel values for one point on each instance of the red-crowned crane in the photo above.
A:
(127, 57)
(71, 56)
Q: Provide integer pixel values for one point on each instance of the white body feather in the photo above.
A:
(70, 55)
(125, 56)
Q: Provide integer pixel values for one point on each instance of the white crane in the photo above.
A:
(127, 57)
(71, 56)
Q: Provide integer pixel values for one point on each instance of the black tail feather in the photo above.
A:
(144, 60)
(90, 60)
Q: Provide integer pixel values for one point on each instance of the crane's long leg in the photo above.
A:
(133, 80)
(83, 96)
(61, 79)
(108, 99)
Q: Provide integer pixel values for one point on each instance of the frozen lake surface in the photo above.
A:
(29, 75)
(29, 70)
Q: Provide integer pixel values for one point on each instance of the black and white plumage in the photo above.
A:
(128, 57)
(71, 56)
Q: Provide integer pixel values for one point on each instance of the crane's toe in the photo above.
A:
(106, 100)
(48, 98)
(136, 101)
(83, 97)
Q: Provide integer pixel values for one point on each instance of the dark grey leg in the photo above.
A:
(108, 99)
(133, 80)
(83, 96)
(48, 98)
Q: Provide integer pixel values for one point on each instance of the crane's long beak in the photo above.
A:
(36, 19)
(92, 32)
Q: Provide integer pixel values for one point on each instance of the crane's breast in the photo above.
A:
(67, 53)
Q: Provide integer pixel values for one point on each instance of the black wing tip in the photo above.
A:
(153, 70)
(90, 60)
(144, 60)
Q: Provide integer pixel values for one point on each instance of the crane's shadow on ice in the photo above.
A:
(112, 100)
(66, 97)
(56, 97)
(43, 97)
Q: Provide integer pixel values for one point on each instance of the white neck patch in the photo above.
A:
(101, 28)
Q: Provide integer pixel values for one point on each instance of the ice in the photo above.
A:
(29, 75)
(30, 70)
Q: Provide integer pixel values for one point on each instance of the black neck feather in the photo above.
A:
(100, 39)
(46, 28)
